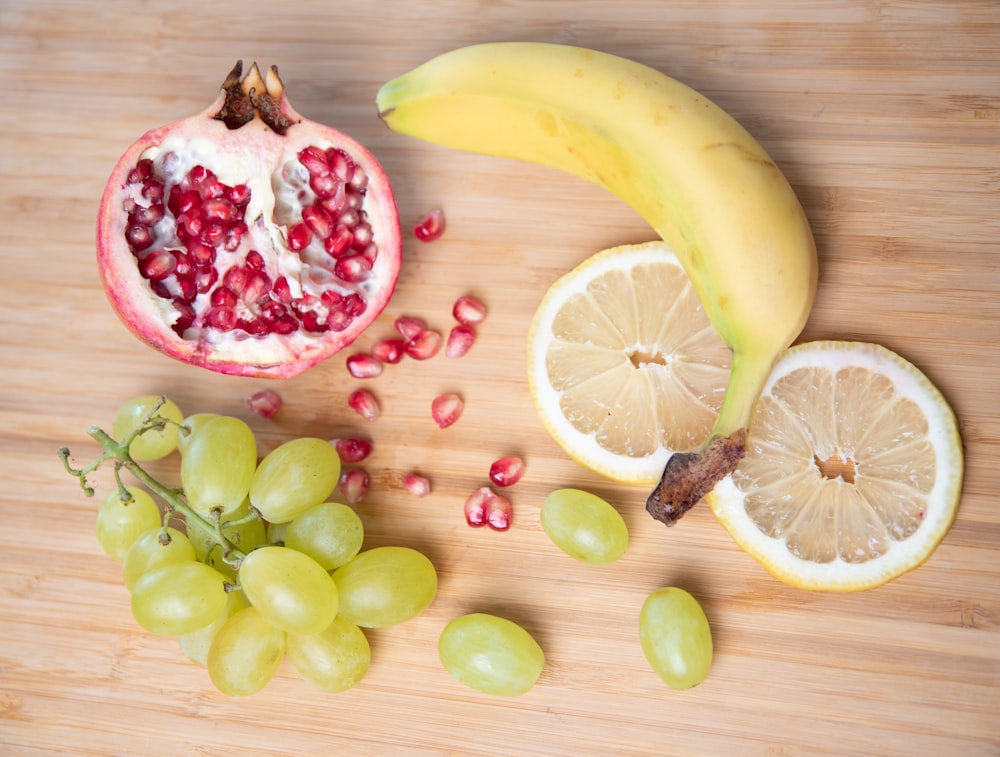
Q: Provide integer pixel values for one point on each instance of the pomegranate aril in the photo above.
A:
(239, 195)
(152, 190)
(389, 350)
(417, 485)
(285, 325)
(340, 163)
(339, 241)
(299, 236)
(353, 268)
(183, 202)
(424, 345)
(223, 319)
(138, 236)
(142, 171)
(281, 291)
(311, 322)
(354, 485)
(460, 340)
(212, 234)
(506, 471)
(235, 279)
(183, 266)
(187, 289)
(468, 311)
(338, 320)
(255, 260)
(257, 287)
(222, 298)
(475, 507)
(318, 220)
(362, 236)
(359, 179)
(352, 450)
(185, 319)
(264, 403)
(205, 278)
(354, 304)
(409, 326)
(314, 160)
(326, 186)
(498, 512)
(446, 409)
(234, 233)
(158, 264)
(200, 253)
(147, 216)
(430, 227)
(364, 404)
(219, 208)
(363, 366)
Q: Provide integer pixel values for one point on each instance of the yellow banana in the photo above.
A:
(688, 168)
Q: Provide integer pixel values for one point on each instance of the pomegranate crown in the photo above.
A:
(253, 96)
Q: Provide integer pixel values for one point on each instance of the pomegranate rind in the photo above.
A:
(149, 317)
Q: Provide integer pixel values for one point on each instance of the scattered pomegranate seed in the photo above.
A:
(468, 310)
(507, 471)
(460, 340)
(363, 366)
(424, 345)
(446, 409)
(265, 403)
(409, 326)
(430, 227)
(389, 350)
(352, 450)
(417, 485)
(364, 404)
(354, 485)
(484, 507)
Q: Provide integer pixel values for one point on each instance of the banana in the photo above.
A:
(688, 168)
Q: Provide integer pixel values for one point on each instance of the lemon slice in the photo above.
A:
(623, 365)
(853, 470)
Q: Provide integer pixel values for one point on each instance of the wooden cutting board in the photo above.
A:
(885, 117)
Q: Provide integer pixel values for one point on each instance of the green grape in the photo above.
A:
(154, 443)
(491, 654)
(291, 589)
(584, 526)
(294, 477)
(334, 659)
(195, 645)
(384, 586)
(154, 549)
(330, 533)
(218, 466)
(245, 653)
(245, 536)
(675, 637)
(192, 423)
(178, 598)
(120, 523)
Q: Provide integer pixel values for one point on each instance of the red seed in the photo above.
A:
(352, 450)
(430, 227)
(424, 345)
(354, 485)
(353, 268)
(475, 507)
(364, 404)
(338, 242)
(158, 265)
(318, 220)
(389, 350)
(446, 409)
(264, 403)
(460, 340)
(417, 485)
(468, 310)
(498, 512)
(507, 471)
(409, 326)
(299, 236)
(363, 366)
(314, 160)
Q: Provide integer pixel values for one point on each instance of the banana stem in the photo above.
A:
(689, 476)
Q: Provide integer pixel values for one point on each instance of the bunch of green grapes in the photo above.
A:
(240, 601)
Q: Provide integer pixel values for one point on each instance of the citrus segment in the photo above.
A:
(853, 469)
(623, 365)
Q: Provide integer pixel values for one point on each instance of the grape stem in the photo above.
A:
(173, 497)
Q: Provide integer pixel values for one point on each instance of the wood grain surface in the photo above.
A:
(885, 116)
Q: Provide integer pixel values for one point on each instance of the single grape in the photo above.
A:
(247, 533)
(675, 637)
(330, 533)
(584, 526)
(245, 653)
(384, 586)
(178, 598)
(334, 659)
(291, 589)
(120, 522)
(218, 466)
(491, 654)
(195, 645)
(293, 477)
(154, 549)
(154, 443)
(188, 427)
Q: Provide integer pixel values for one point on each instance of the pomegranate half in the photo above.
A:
(247, 239)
